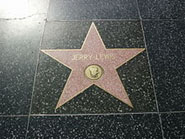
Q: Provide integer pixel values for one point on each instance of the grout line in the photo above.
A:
(161, 125)
(47, 12)
(150, 68)
(35, 76)
(171, 112)
(155, 19)
(94, 114)
(152, 76)
(13, 116)
(104, 114)
(33, 88)
(91, 20)
(21, 18)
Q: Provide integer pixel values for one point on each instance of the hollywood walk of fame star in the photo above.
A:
(93, 64)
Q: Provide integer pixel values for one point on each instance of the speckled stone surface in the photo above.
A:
(71, 34)
(162, 9)
(96, 127)
(166, 47)
(96, 9)
(13, 127)
(52, 76)
(173, 125)
(18, 55)
(31, 82)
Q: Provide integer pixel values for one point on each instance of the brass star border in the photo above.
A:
(89, 62)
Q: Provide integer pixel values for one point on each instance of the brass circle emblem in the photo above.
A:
(93, 72)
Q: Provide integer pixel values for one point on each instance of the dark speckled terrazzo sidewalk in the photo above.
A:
(31, 82)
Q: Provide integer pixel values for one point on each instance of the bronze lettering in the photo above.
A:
(91, 57)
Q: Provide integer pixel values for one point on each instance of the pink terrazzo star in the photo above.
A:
(93, 52)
